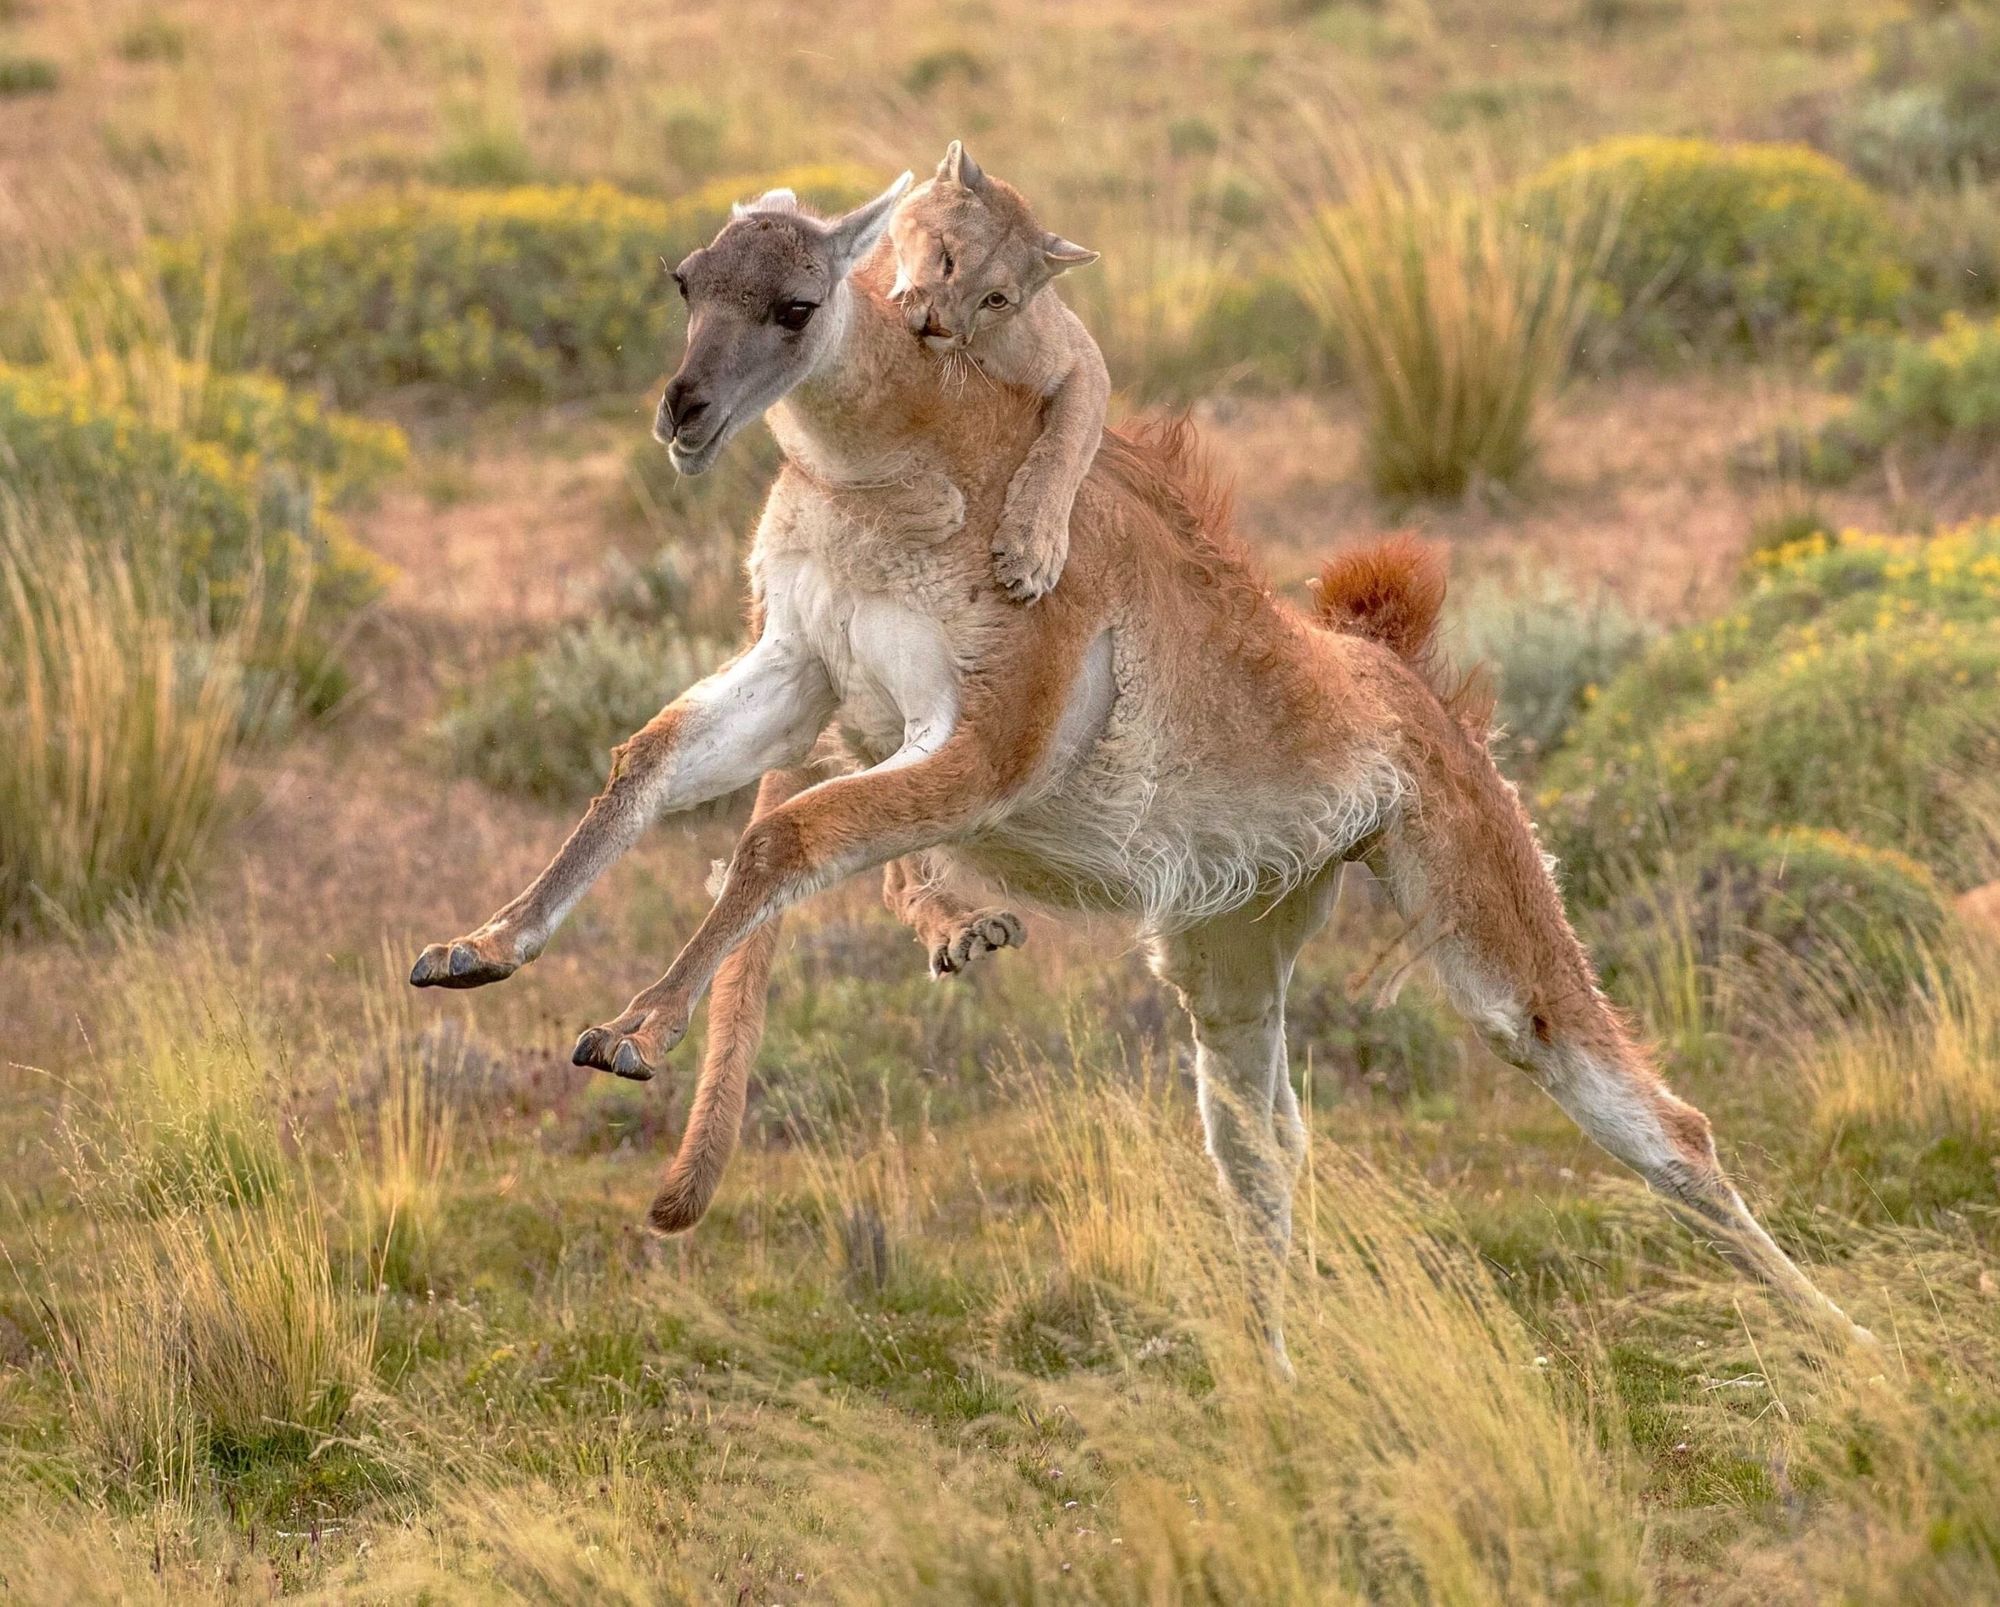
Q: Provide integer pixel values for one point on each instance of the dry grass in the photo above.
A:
(1455, 320)
(120, 718)
(1935, 1070)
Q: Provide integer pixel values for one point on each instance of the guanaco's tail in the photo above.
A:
(1392, 593)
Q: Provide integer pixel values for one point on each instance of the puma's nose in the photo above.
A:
(932, 329)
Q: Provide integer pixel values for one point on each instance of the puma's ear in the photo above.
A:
(851, 237)
(769, 201)
(959, 168)
(1061, 255)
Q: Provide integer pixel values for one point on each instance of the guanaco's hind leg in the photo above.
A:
(1462, 863)
(953, 933)
(1231, 975)
(735, 1027)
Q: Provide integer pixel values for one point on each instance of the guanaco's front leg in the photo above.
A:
(763, 711)
(827, 833)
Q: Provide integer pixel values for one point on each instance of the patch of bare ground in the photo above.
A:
(1640, 489)
(504, 534)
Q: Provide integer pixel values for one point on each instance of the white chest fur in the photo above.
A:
(890, 666)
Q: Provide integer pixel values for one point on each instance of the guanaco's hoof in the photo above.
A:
(456, 965)
(607, 1051)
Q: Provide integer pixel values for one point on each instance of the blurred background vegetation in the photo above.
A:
(336, 557)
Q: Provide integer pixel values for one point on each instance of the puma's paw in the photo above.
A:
(635, 1045)
(467, 962)
(981, 932)
(933, 509)
(1029, 551)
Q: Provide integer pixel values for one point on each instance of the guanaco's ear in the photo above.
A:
(1062, 255)
(769, 201)
(852, 236)
(959, 168)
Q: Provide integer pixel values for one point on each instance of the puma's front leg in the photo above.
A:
(953, 933)
(827, 833)
(763, 711)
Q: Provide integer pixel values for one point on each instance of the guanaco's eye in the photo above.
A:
(996, 299)
(794, 314)
(681, 285)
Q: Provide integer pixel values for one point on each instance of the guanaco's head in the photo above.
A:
(766, 300)
(969, 253)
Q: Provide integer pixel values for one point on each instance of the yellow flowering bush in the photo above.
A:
(536, 291)
(202, 513)
(1725, 245)
(1856, 686)
(1927, 391)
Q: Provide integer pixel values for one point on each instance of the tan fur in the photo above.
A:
(1160, 736)
(963, 242)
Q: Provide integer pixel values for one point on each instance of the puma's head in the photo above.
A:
(765, 299)
(969, 253)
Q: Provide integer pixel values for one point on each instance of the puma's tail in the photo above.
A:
(1392, 593)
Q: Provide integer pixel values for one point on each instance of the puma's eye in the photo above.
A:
(945, 263)
(681, 285)
(996, 299)
(794, 314)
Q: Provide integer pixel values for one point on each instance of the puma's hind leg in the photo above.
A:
(953, 933)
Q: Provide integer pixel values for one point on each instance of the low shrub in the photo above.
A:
(1931, 108)
(1804, 917)
(27, 75)
(534, 292)
(153, 36)
(1856, 685)
(1928, 392)
(544, 724)
(1454, 322)
(1729, 246)
(1549, 650)
(1954, 235)
(205, 515)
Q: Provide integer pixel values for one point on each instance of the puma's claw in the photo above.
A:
(983, 932)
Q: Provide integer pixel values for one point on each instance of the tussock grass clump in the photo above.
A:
(198, 1320)
(403, 1144)
(1855, 686)
(532, 291)
(119, 717)
(1937, 1073)
(1454, 320)
(1723, 247)
(213, 1331)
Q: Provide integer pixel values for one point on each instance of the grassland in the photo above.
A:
(315, 1288)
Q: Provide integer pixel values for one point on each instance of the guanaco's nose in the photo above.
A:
(679, 407)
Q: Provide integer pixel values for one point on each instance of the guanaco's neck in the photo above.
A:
(849, 421)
